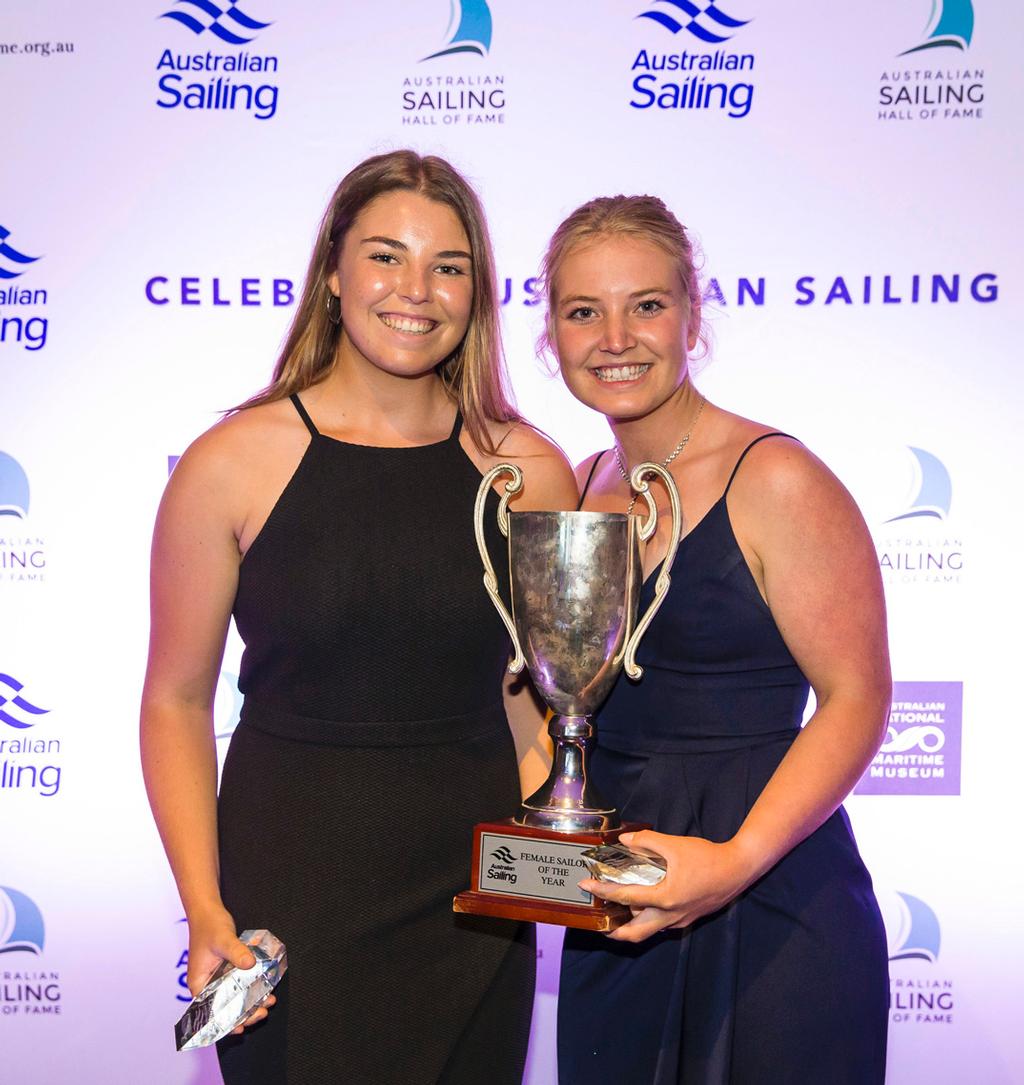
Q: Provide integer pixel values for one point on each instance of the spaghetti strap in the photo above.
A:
(590, 477)
(743, 454)
(303, 415)
(456, 427)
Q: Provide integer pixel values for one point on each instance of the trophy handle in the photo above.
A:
(638, 481)
(512, 487)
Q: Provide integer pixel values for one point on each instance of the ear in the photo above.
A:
(693, 329)
(334, 284)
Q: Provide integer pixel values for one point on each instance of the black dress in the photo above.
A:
(372, 738)
(788, 984)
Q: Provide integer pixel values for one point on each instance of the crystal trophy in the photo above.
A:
(232, 993)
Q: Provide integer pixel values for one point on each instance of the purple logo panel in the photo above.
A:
(921, 751)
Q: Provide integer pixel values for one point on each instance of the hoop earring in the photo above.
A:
(333, 314)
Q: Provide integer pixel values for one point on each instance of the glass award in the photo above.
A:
(232, 993)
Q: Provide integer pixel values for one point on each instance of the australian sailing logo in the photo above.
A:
(16, 710)
(917, 994)
(930, 93)
(466, 95)
(709, 23)
(238, 24)
(22, 556)
(29, 331)
(503, 868)
(216, 89)
(696, 89)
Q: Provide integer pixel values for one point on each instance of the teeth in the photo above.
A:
(620, 372)
(408, 324)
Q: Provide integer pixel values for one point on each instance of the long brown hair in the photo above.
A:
(474, 373)
(643, 217)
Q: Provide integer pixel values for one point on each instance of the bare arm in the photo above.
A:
(195, 562)
(812, 555)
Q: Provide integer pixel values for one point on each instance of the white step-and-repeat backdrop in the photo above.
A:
(853, 172)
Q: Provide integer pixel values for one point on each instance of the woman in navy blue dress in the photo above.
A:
(761, 956)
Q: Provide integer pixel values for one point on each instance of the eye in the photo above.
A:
(384, 257)
(650, 307)
(581, 313)
(451, 269)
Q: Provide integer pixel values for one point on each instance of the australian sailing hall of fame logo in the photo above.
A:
(22, 551)
(934, 79)
(453, 83)
(920, 754)
(225, 73)
(26, 989)
(690, 64)
(918, 544)
(919, 994)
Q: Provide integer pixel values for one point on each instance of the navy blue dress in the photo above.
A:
(788, 983)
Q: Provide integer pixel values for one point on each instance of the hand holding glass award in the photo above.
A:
(576, 579)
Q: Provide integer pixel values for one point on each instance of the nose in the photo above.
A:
(617, 337)
(415, 284)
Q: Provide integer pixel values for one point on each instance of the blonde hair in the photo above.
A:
(474, 373)
(643, 217)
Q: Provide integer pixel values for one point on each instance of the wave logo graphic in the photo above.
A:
(920, 736)
(697, 17)
(21, 923)
(236, 20)
(13, 488)
(10, 255)
(469, 29)
(950, 25)
(504, 855)
(932, 488)
(10, 705)
(914, 934)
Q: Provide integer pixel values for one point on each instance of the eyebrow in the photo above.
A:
(447, 254)
(635, 294)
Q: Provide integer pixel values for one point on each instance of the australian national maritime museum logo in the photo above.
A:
(690, 64)
(934, 79)
(455, 83)
(226, 73)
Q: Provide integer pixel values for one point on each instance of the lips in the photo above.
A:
(613, 374)
(411, 325)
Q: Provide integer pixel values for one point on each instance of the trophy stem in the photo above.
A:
(567, 802)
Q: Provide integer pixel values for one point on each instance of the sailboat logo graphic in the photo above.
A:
(21, 923)
(950, 24)
(469, 29)
(933, 490)
(915, 933)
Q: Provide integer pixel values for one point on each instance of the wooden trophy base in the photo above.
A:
(524, 873)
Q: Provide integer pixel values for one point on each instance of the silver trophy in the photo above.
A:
(575, 581)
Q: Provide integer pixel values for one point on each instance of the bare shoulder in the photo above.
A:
(550, 482)
(242, 445)
(584, 467)
(780, 470)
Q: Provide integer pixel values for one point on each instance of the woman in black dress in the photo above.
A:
(760, 959)
(332, 517)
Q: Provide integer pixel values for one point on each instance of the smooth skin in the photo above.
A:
(620, 303)
(403, 279)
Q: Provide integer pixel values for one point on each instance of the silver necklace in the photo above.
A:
(665, 462)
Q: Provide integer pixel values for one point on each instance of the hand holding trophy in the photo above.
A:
(576, 579)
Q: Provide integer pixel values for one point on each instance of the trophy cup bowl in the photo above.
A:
(575, 581)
